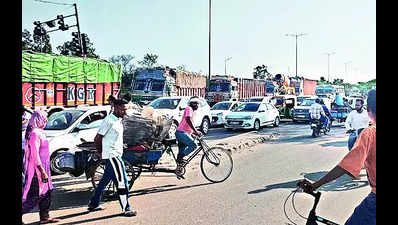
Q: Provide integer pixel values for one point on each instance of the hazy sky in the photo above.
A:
(252, 32)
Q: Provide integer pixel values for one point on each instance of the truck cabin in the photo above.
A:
(220, 86)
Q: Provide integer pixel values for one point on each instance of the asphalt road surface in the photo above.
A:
(262, 178)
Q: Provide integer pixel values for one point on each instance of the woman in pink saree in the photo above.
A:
(38, 183)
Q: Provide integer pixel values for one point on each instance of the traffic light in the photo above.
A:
(51, 23)
(62, 25)
(85, 41)
(76, 44)
(39, 30)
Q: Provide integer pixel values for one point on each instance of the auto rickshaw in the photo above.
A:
(285, 105)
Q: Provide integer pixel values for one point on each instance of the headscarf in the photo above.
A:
(38, 120)
(25, 116)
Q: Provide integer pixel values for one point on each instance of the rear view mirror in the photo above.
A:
(181, 108)
(261, 111)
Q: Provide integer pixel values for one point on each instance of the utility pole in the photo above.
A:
(296, 35)
(329, 54)
(225, 64)
(345, 68)
(209, 39)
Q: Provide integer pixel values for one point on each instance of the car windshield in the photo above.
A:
(307, 102)
(63, 120)
(255, 100)
(157, 85)
(221, 106)
(140, 85)
(247, 107)
(165, 103)
(216, 86)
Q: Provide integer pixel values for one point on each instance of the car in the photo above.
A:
(68, 128)
(262, 99)
(252, 115)
(174, 107)
(302, 111)
(220, 110)
(301, 98)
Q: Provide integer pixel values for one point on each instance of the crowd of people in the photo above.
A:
(37, 182)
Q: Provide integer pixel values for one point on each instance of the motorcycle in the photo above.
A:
(318, 128)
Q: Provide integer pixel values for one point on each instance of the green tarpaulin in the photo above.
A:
(41, 67)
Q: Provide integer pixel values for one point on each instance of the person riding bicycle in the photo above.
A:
(186, 144)
(356, 121)
(316, 112)
(362, 154)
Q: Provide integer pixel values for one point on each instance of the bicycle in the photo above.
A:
(312, 218)
(216, 164)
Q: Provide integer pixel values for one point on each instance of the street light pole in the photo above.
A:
(296, 36)
(225, 65)
(209, 38)
(345, 68)
(329, 54)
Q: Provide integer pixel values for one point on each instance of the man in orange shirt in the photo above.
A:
(362, 154)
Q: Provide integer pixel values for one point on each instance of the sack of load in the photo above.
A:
(145, 128)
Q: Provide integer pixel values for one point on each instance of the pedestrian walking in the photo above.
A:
(362, 154)
(38, 183)
(109, 143)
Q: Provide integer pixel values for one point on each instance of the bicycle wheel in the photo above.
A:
(216, 164)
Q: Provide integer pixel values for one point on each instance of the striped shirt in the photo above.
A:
(316, 110)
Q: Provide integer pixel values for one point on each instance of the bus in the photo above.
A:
(330, 91)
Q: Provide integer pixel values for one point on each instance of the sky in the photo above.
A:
(250, 33)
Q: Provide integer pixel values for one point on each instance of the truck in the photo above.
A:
(303, 86)
(229, 88)
(152, 83)
(56, 82)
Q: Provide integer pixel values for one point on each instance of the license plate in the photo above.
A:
(301, 116)
(235, 123)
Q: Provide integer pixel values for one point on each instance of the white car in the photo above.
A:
(261, 99)
(174, 108)
(252, 115)
(68, 128)
(220, 110)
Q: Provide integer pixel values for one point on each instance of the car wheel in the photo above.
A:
(204, 127)
(53, 168)
(276, 122)
(257, 125)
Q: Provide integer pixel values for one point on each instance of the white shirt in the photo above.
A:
(112, 142)
(357, 120)
(316, 110)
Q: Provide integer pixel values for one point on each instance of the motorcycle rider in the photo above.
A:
(316, 111)
(327, 121)
(356, 121)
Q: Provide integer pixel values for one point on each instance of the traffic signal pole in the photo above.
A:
(78, 27)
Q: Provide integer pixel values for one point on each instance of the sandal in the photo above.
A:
(49, 220)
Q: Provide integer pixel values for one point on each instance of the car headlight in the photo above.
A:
(247, 117)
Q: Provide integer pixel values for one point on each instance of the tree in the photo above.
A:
(261, 72)
(68, 49)
(37, 44)
(127, 66)
(149, 60)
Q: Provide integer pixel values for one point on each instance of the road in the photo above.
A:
(262, 178)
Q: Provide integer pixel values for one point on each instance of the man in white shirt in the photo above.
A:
(356, 121)
(316, 110)
(109, 142)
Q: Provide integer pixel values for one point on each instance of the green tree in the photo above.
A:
(149, 60)
(67, 49)
(36, 43)
(261, 72)
(128, 68)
